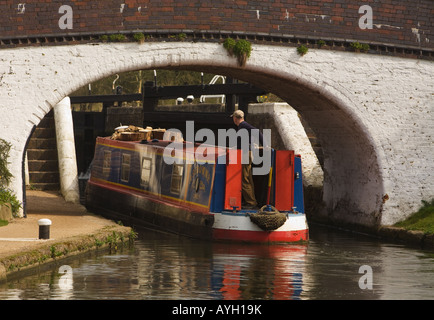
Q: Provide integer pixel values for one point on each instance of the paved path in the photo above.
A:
(68, 220)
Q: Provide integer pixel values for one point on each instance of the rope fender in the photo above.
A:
(268, 218)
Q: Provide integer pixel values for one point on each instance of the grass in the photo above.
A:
(3, 223)
(422, 220)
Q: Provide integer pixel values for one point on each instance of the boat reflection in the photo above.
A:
(258, 271)
(225, 271)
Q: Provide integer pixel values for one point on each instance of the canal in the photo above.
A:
(334, 265)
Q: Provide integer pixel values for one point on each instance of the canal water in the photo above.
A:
(334, 265)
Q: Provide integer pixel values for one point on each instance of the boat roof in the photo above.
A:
(161, 144)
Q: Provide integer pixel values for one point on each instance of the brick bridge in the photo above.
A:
(372, 112)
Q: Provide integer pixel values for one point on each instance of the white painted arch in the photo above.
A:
(373, 114)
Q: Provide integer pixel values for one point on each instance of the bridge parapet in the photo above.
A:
(392, 27)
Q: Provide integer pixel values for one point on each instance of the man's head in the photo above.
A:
(238, 117)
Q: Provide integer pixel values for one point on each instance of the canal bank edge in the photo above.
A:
(109, 237)
(393, 234)
(410, 237)
(313, 203)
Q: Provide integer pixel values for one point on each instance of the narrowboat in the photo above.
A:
(131, 181)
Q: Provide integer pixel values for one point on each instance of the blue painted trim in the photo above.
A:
(298, 185)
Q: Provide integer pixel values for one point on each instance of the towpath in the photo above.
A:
(71, 223)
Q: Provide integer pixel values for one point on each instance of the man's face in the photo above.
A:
(237, 121)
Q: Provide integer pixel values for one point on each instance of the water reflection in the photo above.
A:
(164, 266)
(258, 272)
(202, 270)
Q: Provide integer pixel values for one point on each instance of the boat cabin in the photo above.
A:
(159, 170)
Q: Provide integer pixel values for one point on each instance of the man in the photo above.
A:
(248, 188)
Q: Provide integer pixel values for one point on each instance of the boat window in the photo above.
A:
(145, 175)
(175, 185)
(125, 169)
(106, 162)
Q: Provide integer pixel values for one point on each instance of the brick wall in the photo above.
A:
(404, 23)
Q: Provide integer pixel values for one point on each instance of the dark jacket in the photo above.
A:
(247, 126)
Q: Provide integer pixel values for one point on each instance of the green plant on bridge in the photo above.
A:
(178, 37)
(181, 36)
(116, 37)
(357, 46)
(229, 45)
(302, 50)
(241, 49)
(112, 37)
(321, 43)
(139, 37)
